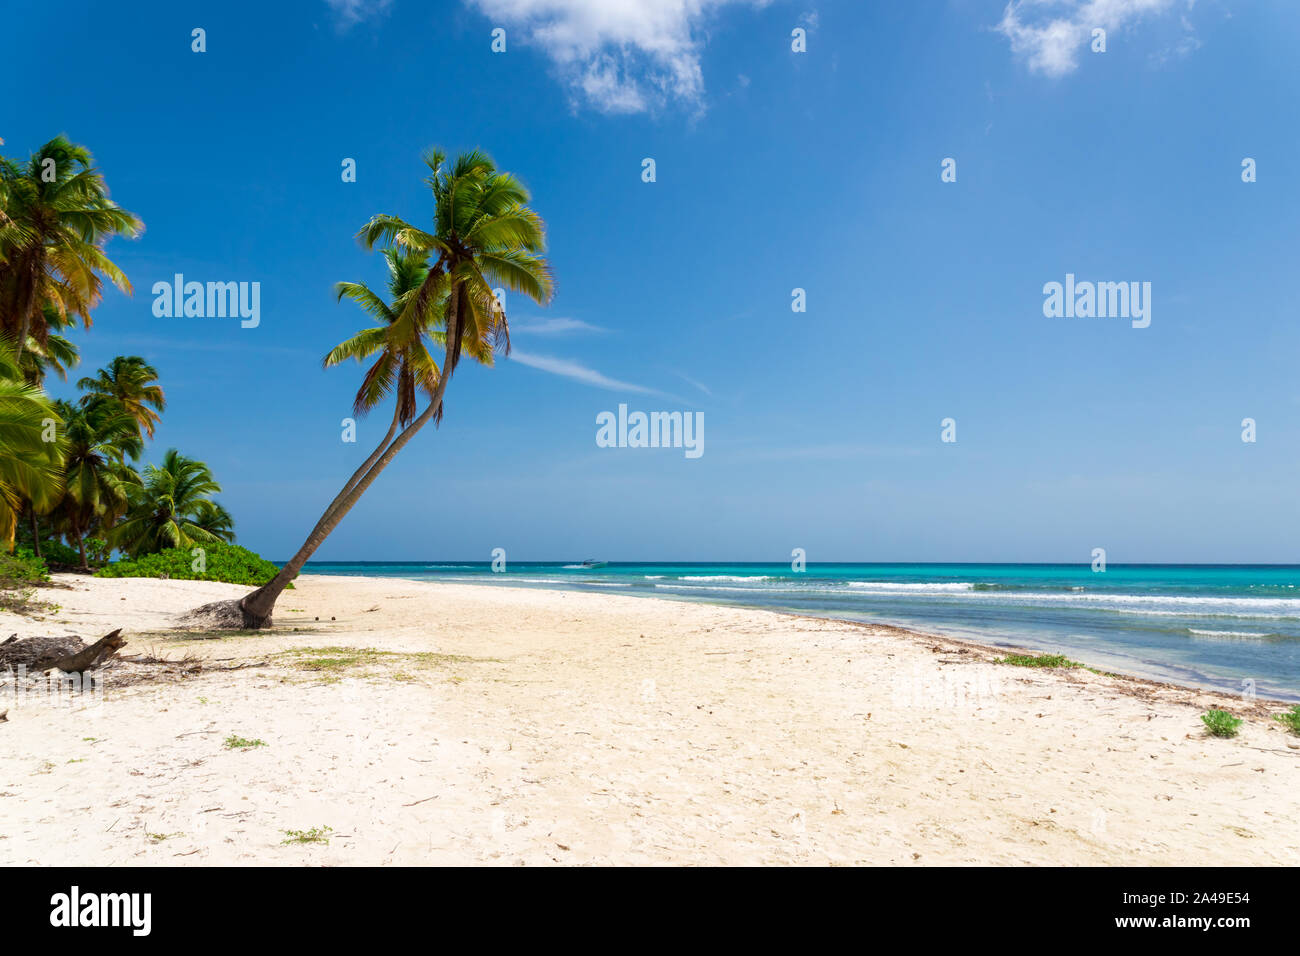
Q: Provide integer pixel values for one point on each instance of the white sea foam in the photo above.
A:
(725, 577)
(1227, 634)
(933, 588)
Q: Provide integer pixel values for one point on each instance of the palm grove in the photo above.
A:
(70, 488)
(440, 303)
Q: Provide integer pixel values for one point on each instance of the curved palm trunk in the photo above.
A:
(365, 466)
(256, 607)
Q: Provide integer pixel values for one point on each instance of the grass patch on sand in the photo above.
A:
(1041, 660)
(333, 662)
(235, 742)
(314, 835)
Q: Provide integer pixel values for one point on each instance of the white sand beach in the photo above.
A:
(516, 726)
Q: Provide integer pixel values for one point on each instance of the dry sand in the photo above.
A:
(519, 726)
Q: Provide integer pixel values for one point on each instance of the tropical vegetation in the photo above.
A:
(214, 562)
(70, 490)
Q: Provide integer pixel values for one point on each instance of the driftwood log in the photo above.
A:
(70, 654)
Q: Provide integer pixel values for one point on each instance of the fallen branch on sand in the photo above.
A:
(69, 654)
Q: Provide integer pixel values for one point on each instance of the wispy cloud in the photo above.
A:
(348, 13)
(690, 381)
(577, 372)
(1049, 34)
(556, 326)
(618, 56)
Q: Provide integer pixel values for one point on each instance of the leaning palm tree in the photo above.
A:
(172, 507)
(100, 436)
(57, 218)
(483, 235)
(129, 381)
(31, 447)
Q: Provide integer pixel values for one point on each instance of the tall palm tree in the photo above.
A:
(483, 234)
(129, 381)
(57, 218)
(171, 507)
(30, 463)
(100, 436)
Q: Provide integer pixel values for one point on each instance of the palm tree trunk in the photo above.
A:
(257, 606)
(36, 532)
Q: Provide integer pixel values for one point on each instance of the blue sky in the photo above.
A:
(775, 170)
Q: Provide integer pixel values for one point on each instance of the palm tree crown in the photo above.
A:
(484, 235)
(57, 216)
(172, 508)
(100, 435)
(129, 380)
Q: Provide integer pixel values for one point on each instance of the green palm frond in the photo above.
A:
(52, 235)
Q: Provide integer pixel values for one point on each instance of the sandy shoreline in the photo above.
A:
(508, 726)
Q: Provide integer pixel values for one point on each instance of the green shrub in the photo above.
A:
(222, 562)
(19, 572)
(1291, 719)
(1220, 723)
(21, 569)
(57, 552)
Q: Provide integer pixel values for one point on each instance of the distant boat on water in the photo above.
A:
(594, 564)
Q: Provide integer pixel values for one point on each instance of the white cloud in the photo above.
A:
(555, 326)
(347, 13)
(1050, 33)
(618, 56)
(579, 373)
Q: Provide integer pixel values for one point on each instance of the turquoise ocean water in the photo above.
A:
(1211, 626)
